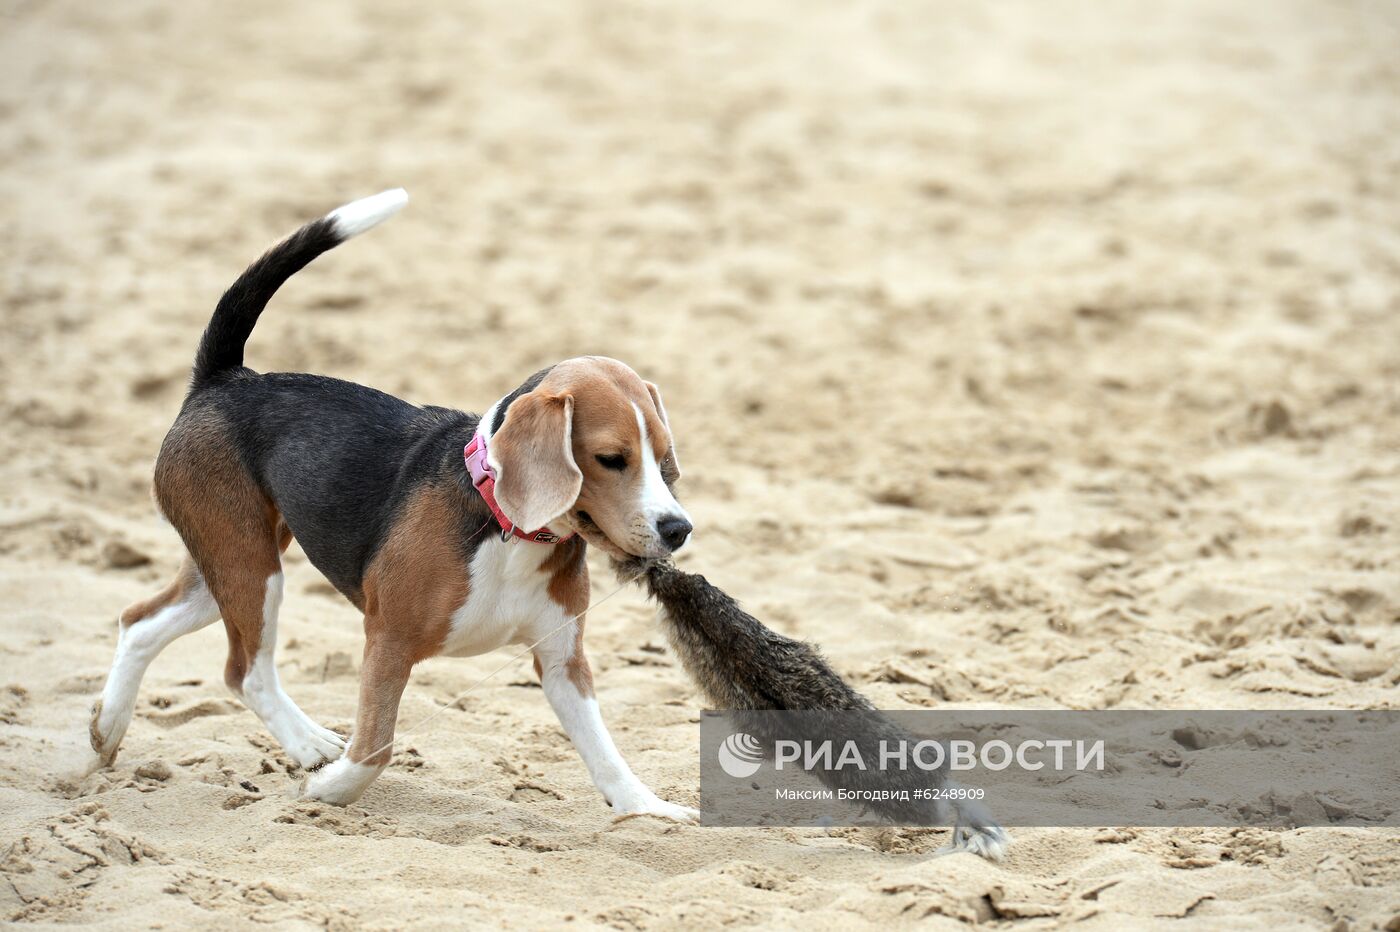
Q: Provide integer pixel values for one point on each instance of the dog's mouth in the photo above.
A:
(589, 530)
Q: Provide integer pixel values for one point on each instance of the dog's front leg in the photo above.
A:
(568, 684)
(383, 676)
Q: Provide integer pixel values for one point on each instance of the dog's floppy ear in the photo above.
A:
(670, 466)
(537, 479)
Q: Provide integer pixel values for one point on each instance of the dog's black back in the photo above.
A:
(337, 459)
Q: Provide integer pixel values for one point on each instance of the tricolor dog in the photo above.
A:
(454, 533)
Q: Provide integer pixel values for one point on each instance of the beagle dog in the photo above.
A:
(454, 533)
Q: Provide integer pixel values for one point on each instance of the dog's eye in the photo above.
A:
(612, 461)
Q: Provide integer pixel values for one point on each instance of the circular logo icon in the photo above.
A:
(740, 755)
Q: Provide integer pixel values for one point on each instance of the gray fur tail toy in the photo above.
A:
(741, 664)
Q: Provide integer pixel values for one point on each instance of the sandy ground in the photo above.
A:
(1041, 355)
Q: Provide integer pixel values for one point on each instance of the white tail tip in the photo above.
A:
(357, 216)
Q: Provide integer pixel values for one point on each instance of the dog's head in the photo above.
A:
(585, 446)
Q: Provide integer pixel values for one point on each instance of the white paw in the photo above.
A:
(340, 782)
(105, 738)
(310, 726)
(312, 748)
(652, 805)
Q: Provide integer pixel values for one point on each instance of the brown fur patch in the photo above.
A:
(577, 668)
(230, 528)
(383, 676)
(174, 593)
(569, 588)
(240, 659)
(419, 577)
(412, 587)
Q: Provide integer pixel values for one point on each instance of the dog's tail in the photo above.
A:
(221, 348)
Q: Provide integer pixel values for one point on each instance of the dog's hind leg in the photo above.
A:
(144, 630)
(236, 536)
(250, 598)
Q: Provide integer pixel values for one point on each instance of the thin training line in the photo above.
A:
(478, 531)
(509, 663)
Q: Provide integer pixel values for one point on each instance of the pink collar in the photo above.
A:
(484, 478)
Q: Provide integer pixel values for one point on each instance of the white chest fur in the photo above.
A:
(507, 602)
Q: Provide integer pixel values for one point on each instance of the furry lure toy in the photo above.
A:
(741, 664)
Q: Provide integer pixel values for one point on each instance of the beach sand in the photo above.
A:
(1031, 355)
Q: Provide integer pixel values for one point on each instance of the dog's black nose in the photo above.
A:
(673, 530)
